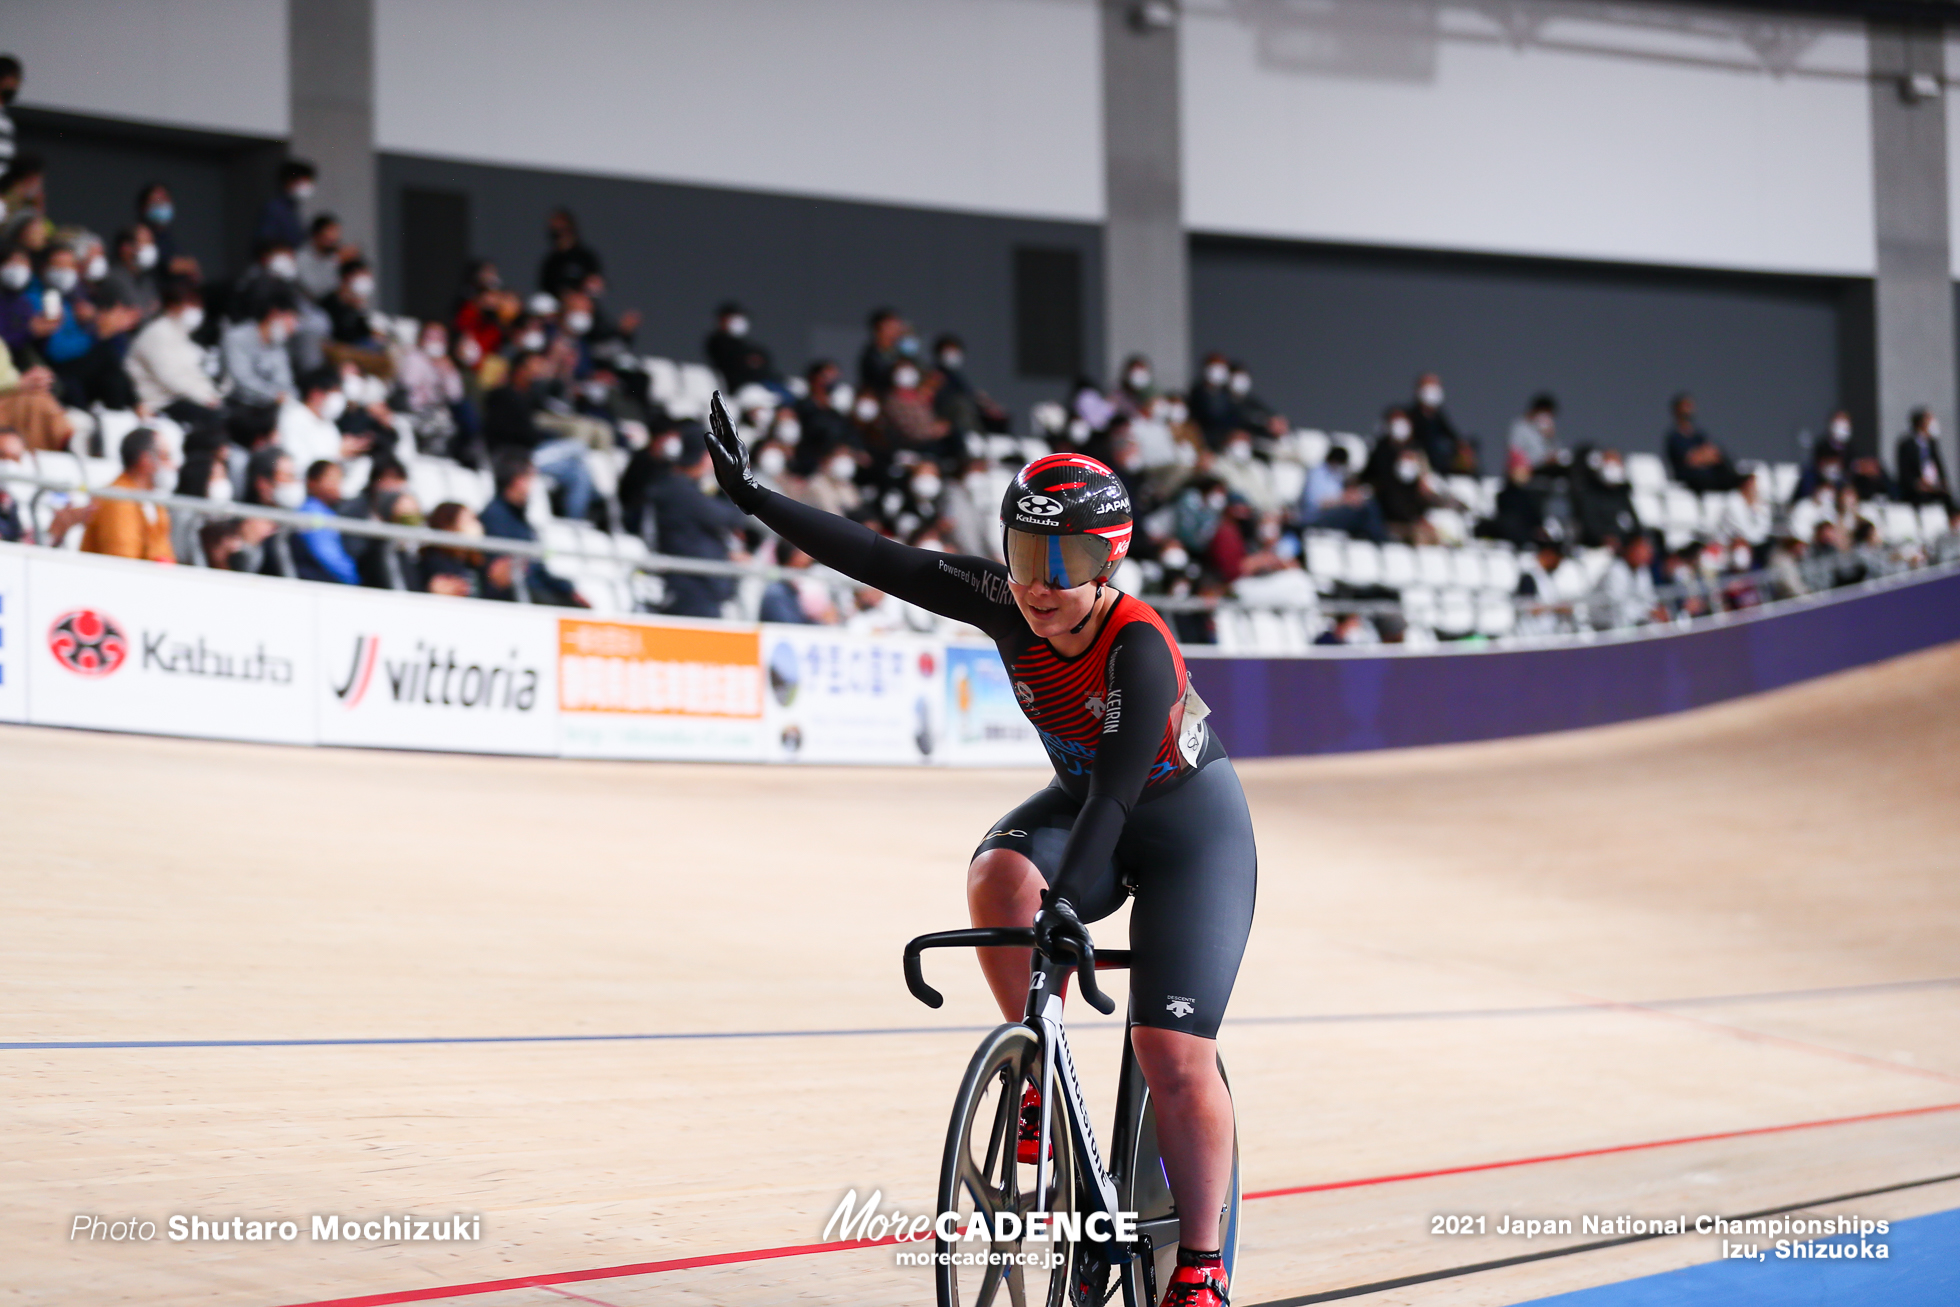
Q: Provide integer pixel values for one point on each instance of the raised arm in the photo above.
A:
(966, 589)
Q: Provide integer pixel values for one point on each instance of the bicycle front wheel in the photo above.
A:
(981, 1173)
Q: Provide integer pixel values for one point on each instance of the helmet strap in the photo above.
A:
(1077, 628)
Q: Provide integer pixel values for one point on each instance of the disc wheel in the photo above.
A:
(981, 1172)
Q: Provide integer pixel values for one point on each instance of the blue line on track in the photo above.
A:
(1922, 1270)
(1323, 1018)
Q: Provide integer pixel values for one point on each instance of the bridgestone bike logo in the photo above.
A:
(1039, 506)
(88, 643)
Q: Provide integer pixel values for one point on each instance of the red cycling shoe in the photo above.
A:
(1197, 1286)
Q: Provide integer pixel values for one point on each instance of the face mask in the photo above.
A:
(908, 345)
(302, 191)
(1216, 501)
(1175, 558)
(1840, 430)
(164, 480)
(1239, 451)
(190, 318)
(866, 409)
(925, 489)
(62, 279)
(578, 322)
(841, 397)
(1139, 378)
(1740, 560)
(146, 257)
(595, 392)
(1078, 431)
(952, 360)
(282, 331)
(219, 491)
(842, 468)
(334, 406)
(1612, 474)
(738, 326)
(1407, 469)
(772, 461)
(531, 340)
(361, 287)
(1431, 394)
(160, 214)
(433, 347)
(1830, 472)
(1933, 429)
(98, 267)
(905, 378)
(288, 494)
(283, 266)
(1177, 413)
(1217, 374)
(789, 431)
(1543, 422)
(1399, 429)
(469, 351)
(15, 275)
(1241, 383)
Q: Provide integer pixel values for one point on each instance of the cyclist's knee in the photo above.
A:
(1003, 880)
(1175, 1064)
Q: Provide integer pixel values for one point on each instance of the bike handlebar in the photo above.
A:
(1008, 936)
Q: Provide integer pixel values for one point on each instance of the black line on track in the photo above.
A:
(1310, 1019)
(1403, 1282)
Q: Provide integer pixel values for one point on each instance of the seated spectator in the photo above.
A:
(97, 375)
(65, 306)
(1249, 412)
(963, 406)
(1348, 628)
(891, 340)
(514, 420)
(127, 529)
(803, 601)
(166, 365)
(1210, 401)
(224, 541)
(350, 311)
(1398, 472)
(309, 427)
(910, 422)
(1626, 589)
(740, 360)
(1136, 389)
(21, 319)
(254, 351)
(1602, 499)
(1534, 436)
(157, 211)
(1692, 458)
(506, 518)
(432, 386)
(282, 217)
(1520, 509)
(1748, 515)
(23, 193)
(694, 525)
(833, 486)
(1247, 475)
(462, 573)
(132, 273)
(823, 416)
(28, 406)
(1921, 468)
(317, 259)
(487, 313)
(570, 260)
(611, 338)
(1448, 451)
(319, 554)
(1331, 502)
(384, 564)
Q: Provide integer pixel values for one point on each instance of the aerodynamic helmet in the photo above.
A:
(1065, 520)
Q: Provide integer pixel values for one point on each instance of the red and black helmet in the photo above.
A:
(1065, 520)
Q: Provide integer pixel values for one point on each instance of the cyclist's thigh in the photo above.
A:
(1038, 830)
(1196, 870)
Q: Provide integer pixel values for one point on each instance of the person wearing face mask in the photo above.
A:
(309, 426)
(1398, 472)
(272, 481)
(66, 333)
(317, 260)
(157, 211)
(881, 354)
(350, 308)
(963, 406)
(1448, 450)
(320, 553)
(833, 488)
(569, 260)
(908, 409)
(1920, 464)
(694, 524)
(18, 306)
(432, 385)
(515, 418)
(1247, 475)
(132, 277)
(254, 351)
(1534, 436)
(127, 529)
(283, 217)
(1696, 461)
(735, 354)
(1249, 412)
(1602, 500)
(1210, 402)
(167, 366)
(23, 190)
(1136, 390)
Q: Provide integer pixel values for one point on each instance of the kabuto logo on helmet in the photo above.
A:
(1039, 506)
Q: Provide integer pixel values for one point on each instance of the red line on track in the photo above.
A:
(545, 1281)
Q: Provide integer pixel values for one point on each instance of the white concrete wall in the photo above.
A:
(1628, 132)
(214, 64)
(989, 106)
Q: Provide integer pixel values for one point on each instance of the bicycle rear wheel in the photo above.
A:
(980, 1172)
(1143, 1187)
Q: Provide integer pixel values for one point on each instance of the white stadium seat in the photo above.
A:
(1311, 447)
(1325, 557)
(1646, 472)
(1398, 565)
(1900, 525)
(1433, 565)
(1362, 564)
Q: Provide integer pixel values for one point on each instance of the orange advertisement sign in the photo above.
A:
(685, 671)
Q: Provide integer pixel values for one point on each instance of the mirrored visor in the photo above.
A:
(1062, 561)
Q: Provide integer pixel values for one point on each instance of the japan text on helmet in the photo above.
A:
(1065, 521)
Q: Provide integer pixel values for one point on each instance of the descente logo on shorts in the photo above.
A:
(1180, 1007)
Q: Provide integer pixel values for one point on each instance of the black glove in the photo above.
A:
(1058, 932)
(731, 460)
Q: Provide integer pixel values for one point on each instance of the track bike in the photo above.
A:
(1081, 1262)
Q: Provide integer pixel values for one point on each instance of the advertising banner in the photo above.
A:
(660, 690)
(172, 650)
(13, 635)
(401, 671)
(984, 725)
(838, 697)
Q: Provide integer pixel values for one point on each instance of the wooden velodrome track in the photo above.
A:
(1464, 958)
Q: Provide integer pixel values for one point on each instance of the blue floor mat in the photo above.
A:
(1922, 1271)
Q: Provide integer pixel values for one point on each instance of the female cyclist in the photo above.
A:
(1144, 801)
